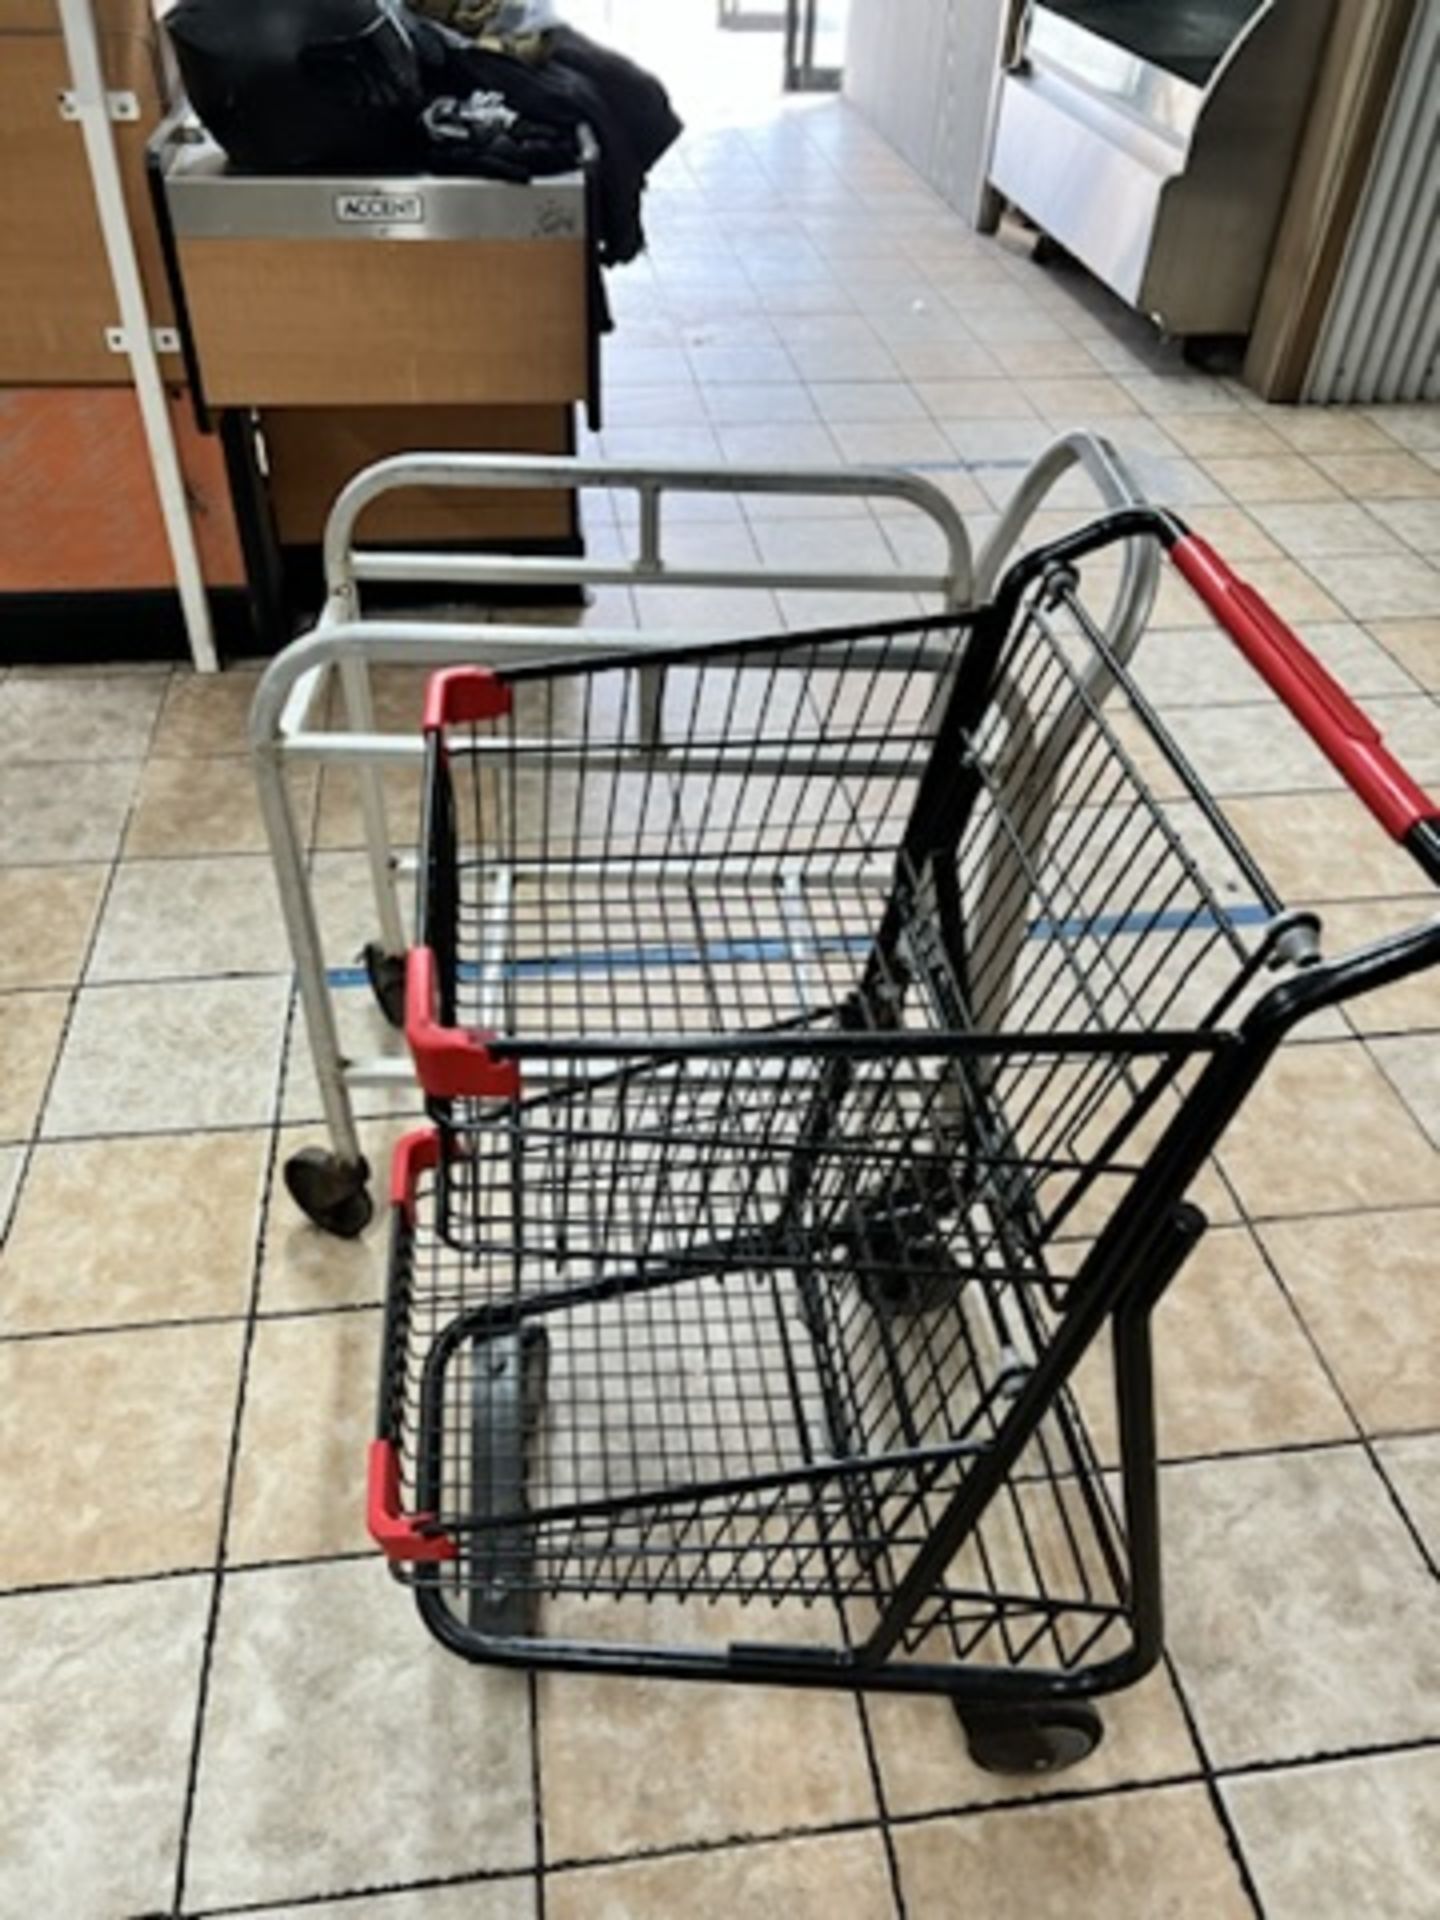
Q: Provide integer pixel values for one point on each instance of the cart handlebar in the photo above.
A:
(1348, 738)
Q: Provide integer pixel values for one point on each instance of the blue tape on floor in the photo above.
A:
(754, 952)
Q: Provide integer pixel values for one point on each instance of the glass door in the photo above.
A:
(740, 16)
(815, 44)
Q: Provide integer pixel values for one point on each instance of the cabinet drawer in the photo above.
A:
(347, 292)
(313, 451)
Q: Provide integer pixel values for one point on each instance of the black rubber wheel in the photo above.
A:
(1031, 1740)
(1046, 252)
(386, 974)
(911, 1279)
(332, 1192)
(903, 1269)
(1218, 353)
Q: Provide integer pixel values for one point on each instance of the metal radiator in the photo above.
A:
(1381, 337)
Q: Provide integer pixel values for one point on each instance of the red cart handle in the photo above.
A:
(1349, 739)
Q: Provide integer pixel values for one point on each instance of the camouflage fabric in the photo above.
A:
(472, 17)
(496, 24)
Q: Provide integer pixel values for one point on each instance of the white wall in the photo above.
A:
(1381, 337)
(924, 72)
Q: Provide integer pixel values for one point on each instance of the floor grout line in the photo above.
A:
(877, 1783)
(263, 1316)
(212, 1624)
(1354, 1442)
(1218, 1808)
(537, 1792)
(201, 1569)
(340, 1902)
(73, 992)
(1366, 1437)
(701, 1849)
(1330, 1757)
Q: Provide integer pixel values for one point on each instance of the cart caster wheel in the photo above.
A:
(332, 1192)
(386, 974)
(1046, 252)
(1218, 353)
(910, 1278)
(1034, 1740)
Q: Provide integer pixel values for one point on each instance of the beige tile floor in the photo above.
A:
(212, 1698)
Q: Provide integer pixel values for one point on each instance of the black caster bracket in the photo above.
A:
(507, 1410)
(901, 1279)
(386, 974)
(332, 1192)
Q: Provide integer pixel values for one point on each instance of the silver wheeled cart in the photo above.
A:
(315, 703)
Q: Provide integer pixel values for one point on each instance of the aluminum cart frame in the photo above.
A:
(774, 1195)
(331, 1185)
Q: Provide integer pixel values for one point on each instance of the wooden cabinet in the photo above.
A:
(56, 299)
(328, 322)
(81, 513)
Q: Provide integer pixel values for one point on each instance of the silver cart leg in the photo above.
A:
(651, 708)
(384, 958)
(330, 1187)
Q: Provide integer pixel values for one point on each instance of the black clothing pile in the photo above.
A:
(293, 86)
(575, 84)
(505, 26)
(481, 135)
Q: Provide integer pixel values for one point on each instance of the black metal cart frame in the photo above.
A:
(813, 1085)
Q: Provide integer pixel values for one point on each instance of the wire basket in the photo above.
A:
(759, 1435)
(766, 943)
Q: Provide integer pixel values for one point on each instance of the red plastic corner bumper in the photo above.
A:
(460, 696)
(450, 1062)
(396, 1533)
(415, 1154)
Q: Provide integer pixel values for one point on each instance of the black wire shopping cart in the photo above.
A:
(821, 1036)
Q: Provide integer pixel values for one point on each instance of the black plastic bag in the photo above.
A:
(287, 86)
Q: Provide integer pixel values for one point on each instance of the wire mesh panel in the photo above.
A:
(767, 1433)
(844, 983)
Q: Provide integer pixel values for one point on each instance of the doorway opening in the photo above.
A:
(724, 50)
